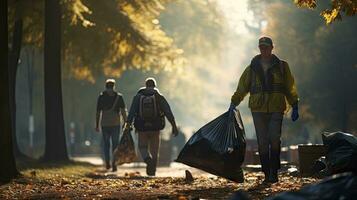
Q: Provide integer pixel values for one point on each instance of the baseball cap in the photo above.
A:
(266, 41)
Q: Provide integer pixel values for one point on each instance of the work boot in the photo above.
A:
(274, 177)
(266, 178)
(237, 176)
(150, 169)
(153, 167)
(114, 169)
(107, 165)
(241, 176)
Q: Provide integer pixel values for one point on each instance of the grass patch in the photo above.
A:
(53, 170)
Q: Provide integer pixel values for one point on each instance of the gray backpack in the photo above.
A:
(150, 117)
(148, 109)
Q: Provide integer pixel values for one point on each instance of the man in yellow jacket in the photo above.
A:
(270, 84)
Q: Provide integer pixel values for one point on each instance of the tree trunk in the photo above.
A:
(13, 63)
(8, 169)
(55, 149)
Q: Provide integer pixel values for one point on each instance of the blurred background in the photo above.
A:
(196, 50)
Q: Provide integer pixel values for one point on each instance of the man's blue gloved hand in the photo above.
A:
(295, 113)
(232, 107)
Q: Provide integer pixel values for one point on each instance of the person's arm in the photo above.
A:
(123, 110)
(99, 109)
(165, 107)
(133, 110)
(291, 91)
(242, 88)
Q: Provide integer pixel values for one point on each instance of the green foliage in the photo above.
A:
(129, 37)
(196, 26)
(337, 8)
(104, 37)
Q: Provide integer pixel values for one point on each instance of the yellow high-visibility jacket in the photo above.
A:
(270, 92)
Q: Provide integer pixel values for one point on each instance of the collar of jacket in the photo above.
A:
(110, 92)
(256, 66)
(148, 91)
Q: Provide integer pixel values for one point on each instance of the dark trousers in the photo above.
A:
(268, 131)
(110, 135)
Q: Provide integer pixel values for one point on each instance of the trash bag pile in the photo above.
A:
(218, 147)
(340, 186)
(341, 152)
(125, 152)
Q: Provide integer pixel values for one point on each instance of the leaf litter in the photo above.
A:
(89, 182)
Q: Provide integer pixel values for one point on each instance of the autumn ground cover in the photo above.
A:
(77, 180)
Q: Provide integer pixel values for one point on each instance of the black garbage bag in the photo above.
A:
(125, 152)
(319, 168)
(341, 153)
(218, 147)
(339, 186)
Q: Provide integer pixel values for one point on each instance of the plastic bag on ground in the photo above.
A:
(125, 152)
(218, 147)
(341, 153)
(339, 186)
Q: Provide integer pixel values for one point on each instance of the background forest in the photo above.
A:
(196, 49)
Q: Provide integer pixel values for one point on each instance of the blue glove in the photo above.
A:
(232, 107)
(295, 113)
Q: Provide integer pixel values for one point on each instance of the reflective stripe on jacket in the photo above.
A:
(270, 92)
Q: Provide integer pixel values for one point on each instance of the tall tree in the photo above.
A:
(55, 148)
(8, 168)
(14, 56)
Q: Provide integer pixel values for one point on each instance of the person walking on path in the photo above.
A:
(270, 84)
(148, 110)
(110, 105)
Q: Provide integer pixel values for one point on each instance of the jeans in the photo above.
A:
(268, 131)
(110, 134)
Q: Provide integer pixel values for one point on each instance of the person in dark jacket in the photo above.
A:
(110, 105)
(148, 111)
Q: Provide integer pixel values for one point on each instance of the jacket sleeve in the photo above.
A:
(99, 109)
(243, 87)
(165, 107)
(291, 91)
(133, 109)
(123, 109)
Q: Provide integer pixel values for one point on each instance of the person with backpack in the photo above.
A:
(110, 105)
(148, 110)
(270, 84)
